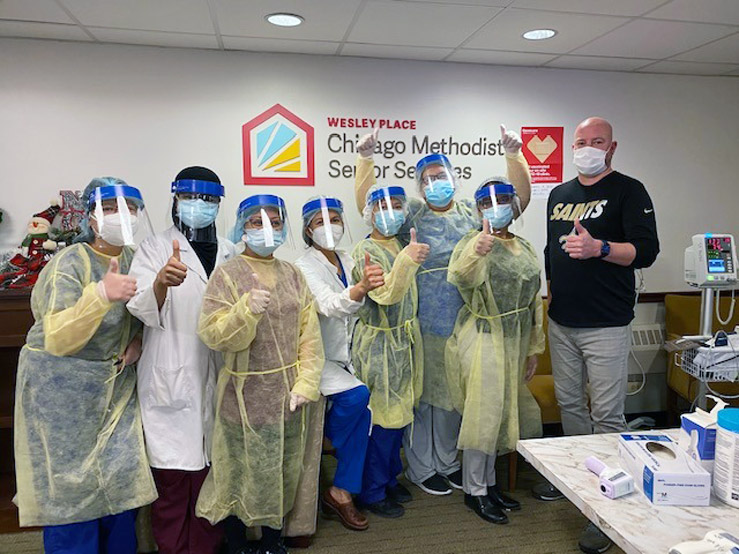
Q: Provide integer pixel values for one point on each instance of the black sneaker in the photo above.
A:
(503, 500)
(547, 492)
(593, 540)
(384, 508)
(435, 485)
(278, 548)
(455, 479)
(399, 494)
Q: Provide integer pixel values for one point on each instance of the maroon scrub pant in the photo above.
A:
(177, 530)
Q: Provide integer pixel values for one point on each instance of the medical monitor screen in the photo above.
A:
(718, 255)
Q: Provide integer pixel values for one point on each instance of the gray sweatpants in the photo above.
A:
(434, 445)
(597, 356)
(478, 472)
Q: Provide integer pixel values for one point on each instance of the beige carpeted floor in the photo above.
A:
(432, 525)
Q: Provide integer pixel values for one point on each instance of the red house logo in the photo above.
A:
(278, 149)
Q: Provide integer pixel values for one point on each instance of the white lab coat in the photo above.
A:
(336, 314)
(176, 372)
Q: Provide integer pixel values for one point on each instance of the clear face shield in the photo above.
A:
(324, 223)
(498, 203)
(195, 209)
(389, 210)
(118, 216)
(262, 224)
(436, 180)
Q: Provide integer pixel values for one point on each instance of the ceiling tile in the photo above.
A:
(280, 45)
(491, 3)
(54, 31)
(416, 24)
(183, 16)
(645, 38)
(401, 52)
(154, 38)
(597, 7)
(725, 50)
(499, 57)
(598, 63)
(504, 32)
(709, 11)
(37, 10)
(325, 20)
(689, 68)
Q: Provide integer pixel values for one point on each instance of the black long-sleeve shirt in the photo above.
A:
(594, 292)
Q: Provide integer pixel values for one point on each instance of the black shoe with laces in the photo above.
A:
(455, 479)
(384, 508)
(399, 494)
(547, 492)
(435, 485)
(484, 508)
(502, 500)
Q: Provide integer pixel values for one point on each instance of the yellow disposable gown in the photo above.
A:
(498, 327)
(258, 443)
(386, 349)
(79, 445)
(438, 301)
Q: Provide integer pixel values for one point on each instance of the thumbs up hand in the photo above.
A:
(418, 251)
(366, 145)
(485, 239)
(582, 245)
(373, 277)
(174, 271)
(116, 287)
(258, 297)
(511, 141)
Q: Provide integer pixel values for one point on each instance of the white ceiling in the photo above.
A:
(694, 37)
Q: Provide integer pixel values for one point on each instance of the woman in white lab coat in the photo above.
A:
(328, 272)
(177, 372)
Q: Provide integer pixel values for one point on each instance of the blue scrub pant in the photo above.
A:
(107, 535)
(347, 427)
(382, 466)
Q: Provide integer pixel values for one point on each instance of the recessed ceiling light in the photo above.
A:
(539, 34)
(284, 19)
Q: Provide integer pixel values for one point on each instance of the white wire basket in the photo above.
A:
(710, 365)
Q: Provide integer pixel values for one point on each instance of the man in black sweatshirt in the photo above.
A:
(600, 228)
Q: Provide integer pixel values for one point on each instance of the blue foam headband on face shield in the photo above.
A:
(194, 186)
(381, 193)
(318, 203)
(499, 188)
(261, 201)
(114, 191)
(431, 159)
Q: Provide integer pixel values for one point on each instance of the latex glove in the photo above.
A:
(296, 401)
(366, 145)
(485, 239)
(49, 245)
(174, 271)
(373, 277)
(511, 140)
(582, 246)
(418, 251)
(531, 363)
(133, 351)
(116, 287)
(258, 297)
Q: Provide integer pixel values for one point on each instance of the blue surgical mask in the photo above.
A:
(499, 216)
(439, 193)
(197, 213)
(254, 239)
(387, 225)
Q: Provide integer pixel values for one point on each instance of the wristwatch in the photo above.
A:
(605, 248)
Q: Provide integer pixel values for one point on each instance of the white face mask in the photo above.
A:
(589, 161)
(319, 236)
(112, 232)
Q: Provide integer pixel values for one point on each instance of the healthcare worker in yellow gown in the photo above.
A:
(81, 466)
(441, 220)
(260, 313)
(493, 350)
(386, 350)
